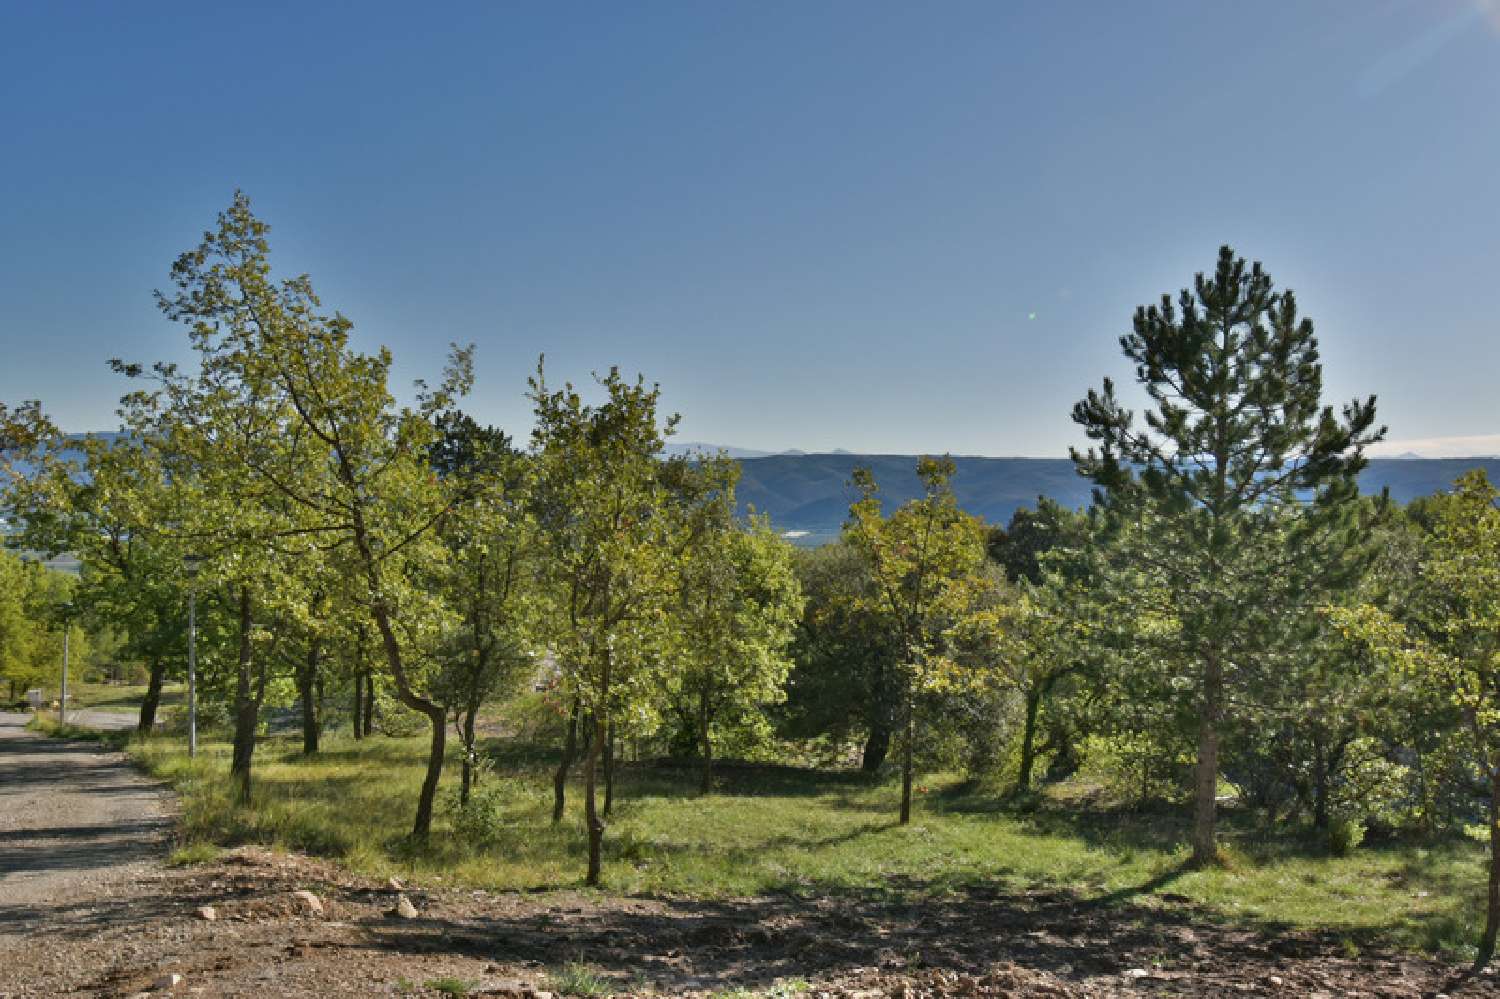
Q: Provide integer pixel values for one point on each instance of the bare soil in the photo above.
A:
(110, 920)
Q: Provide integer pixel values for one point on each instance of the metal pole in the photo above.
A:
(62, 708)
(192, 672)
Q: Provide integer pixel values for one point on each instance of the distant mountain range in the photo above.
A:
(807, 496)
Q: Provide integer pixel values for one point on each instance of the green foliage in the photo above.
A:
(844, 683)
(738, 605)
(1230, 510)
(922, 559)
(578, 979)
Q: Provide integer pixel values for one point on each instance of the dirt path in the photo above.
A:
(77, 825)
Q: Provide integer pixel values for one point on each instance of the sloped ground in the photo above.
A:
(86, 909)
(264, 942)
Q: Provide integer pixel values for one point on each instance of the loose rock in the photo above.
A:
(404, 908)
(167, 982)
(207, 913)
(310, 903)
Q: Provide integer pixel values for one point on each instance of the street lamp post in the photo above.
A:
(67, 623)
(190, 565)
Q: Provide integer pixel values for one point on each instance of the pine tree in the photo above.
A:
(1233, 501)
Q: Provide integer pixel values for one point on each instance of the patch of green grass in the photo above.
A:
(781, 990)
(47, 724)
(194, 853)
(783, 830)
(578, 979)
(452, 986)
(122, 698)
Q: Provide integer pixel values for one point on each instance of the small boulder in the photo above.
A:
(404, 909)
(1135, 973)
(167, 983)
(207, 913)
(309, 903)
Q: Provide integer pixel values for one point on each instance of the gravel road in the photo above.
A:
(76, 823)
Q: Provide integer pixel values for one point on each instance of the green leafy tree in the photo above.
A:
(491, 542)
(1450, 638)
(1238, 486)
(18, 634)
(115, 513)
(26, 437)
(313, 462)
(604, 505)
(844, 683)
(919, 557)
(738, 609)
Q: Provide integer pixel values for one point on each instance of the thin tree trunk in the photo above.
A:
(246, 710)
(560, 778)
(1320, 785)
(877, 745)
(423, 824)
(307, 684)
(1206, 776)
(609, 770)
(1492, 903)
(590, 812)
(906, 760)
(706, 780)
(359, 705)
(467, 735)
(369, 701)
(1028, 740)
(153, 697)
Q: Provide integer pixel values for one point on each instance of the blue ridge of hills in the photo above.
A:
(808, 495)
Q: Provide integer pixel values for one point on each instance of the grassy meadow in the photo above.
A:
(803, 831)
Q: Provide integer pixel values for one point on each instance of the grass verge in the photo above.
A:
(803, 832)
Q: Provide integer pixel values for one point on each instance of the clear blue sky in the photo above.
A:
(884, 227)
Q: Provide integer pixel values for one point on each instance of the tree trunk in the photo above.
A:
(359, 706)
(307, 685)
(1492, 903)
(609, 770)
(153, 697)
(560, 779)
(467, 734)
(877, 745)
(1206, 776)
(906, 760)
(590, 812)
(246, 710)
(1320, 785)
(1028, 740)
(706, 780)
(369, 701)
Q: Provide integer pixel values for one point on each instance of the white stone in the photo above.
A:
(310, 903)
